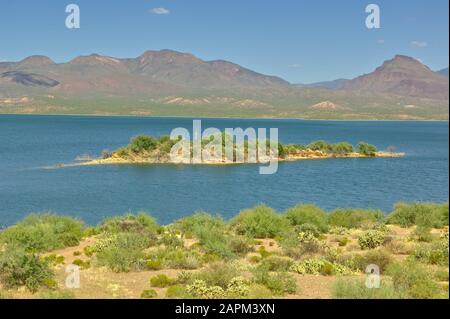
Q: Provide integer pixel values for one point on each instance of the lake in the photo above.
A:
(31, 146)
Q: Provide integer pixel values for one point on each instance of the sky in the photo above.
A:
(302, 41)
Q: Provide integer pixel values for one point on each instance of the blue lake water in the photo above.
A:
(28, 144)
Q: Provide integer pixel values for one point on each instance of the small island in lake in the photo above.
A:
(151, 150)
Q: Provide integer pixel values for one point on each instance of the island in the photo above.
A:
(145, 149)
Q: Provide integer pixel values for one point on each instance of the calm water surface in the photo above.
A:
(31, 144)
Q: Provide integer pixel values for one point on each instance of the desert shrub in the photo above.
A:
(357, 289)
(161, 281)
(173, 258)
(342, 241)
(258, 291)
(366, 149)
(379, 257)
(371, 239)
(88, 251)
(177, 292)
(149, 294)
(57, 294)
(240, 245)
(422, 234)
(201, 220)
(171, 239)
(124, 253)
(314, 266)
(307, 214)
(210, 232)
(53, 259)
(415, 280)
(420, 214)
(279, 283)
(441, 275)
(82, 264)
(44, 232)
(218, 274)
(339, 230)
(277, 263)
(200, 289)
(19, 268)
(238, 287)
(259, 222)
(296, 245)
(435, 253)
(353, 218)
(400, 247)
(308, 229)
(142, 224)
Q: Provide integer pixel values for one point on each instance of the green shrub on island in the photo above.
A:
(44, 232)
(366, 149)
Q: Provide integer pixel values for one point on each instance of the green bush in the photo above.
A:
(57, 294)
(44, 232)
(366, 149)
(322, 146)
(124, 253)
(173, 258)
(82, 264)
(238, 287)
(314, 266)
(19, 268)
(307, 214)
(142, 143)
(379, 257)
(356, 289)
(353, 218)
(371, 239)
(259, 222)
(161, 281)
(420, 214)
(177, 292)
(279, 283)
(415, 280)
(141, 223)
(218, 274)
(149, 294)
(200, 289)
(435, 253)
(277, 263)
(342, 148)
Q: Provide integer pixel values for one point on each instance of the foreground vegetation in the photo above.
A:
(303, 252)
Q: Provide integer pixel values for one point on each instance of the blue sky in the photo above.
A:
(300, 40)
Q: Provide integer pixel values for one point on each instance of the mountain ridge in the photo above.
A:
(168, 82)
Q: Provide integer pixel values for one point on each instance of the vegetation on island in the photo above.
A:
(158, 149)
(304, 252)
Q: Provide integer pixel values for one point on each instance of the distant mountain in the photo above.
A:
(443, 72)
(331, 85)
(172, 83)
(403, 76)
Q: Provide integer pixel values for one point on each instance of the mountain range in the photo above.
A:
(170, 83)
